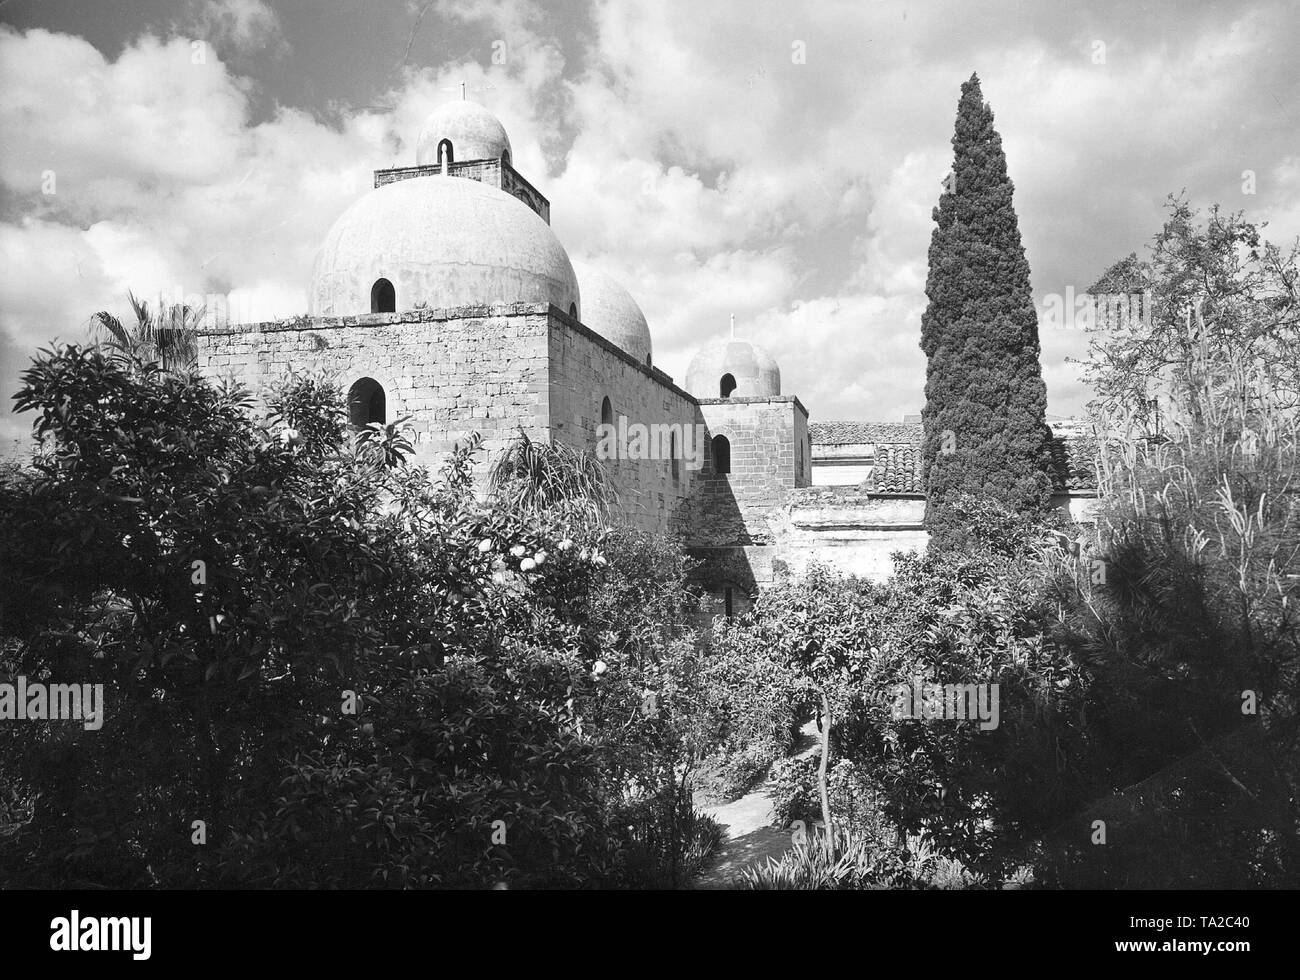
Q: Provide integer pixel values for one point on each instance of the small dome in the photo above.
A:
(441, 241)
(733, 368)
(473, 132)
(610, 310)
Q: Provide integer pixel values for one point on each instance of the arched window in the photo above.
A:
(383, 299)
(721, 455)
(727, 386)
(672, 455)
(647, 361)
(573, 310)
(800, 473)
(366, 403)
(728, 602)
(505, 157)
(606, 412)
(445, 155)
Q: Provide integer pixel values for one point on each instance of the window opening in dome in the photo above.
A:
(366, 403)
(606, 412)
(445, 155)
(728, 385)
(573, 310)
(647, 361)
(383, 298)
(721, 455)
(505, 157)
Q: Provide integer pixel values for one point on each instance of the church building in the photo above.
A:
(443, 296)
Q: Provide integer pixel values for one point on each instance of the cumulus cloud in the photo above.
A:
(768, 160)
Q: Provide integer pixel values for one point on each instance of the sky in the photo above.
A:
(773, 160)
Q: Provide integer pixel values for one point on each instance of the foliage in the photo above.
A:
(984, 384)
(1199, 531)
(232, 590)
(167, 336)
(534, 477)
(1217, 338)
(308, 411)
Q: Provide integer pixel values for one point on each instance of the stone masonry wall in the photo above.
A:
(733, 509)
(585, 368)
(453, 372)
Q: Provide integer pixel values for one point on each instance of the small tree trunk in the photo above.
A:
(821, 776)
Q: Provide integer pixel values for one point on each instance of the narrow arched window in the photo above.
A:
(606, 412)
(728, 602)
(800, 473)
(445, 155)
(383, 298)
(647, 361)
(366, 403)
(721, 455)
(573, 310)
(727, 386)
(505, 157)
(672, 455)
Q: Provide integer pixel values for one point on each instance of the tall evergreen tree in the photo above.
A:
(985, 400)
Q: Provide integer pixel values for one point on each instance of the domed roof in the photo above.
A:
(442, 241)
(752, 371)
(610, 310)
(474, 133)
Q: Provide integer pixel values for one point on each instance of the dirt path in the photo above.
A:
(751, 838)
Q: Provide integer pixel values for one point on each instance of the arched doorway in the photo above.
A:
(726, 386)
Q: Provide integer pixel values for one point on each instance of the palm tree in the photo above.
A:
(167, 336)
(531, 477)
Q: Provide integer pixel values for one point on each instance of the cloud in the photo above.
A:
(242, 26)
(682, 145)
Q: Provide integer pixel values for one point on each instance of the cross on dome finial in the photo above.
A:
(462, 91)
(733, 326)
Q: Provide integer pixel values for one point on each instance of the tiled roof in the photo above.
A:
(1072, 464)
(896, 469)
(861, 433)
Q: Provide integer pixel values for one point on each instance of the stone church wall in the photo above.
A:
(585, 369)
(454, 372)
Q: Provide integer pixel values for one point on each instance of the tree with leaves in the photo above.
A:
(984, 415)
(167, 335)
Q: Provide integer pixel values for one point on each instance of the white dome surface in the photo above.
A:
(444, 242)
(474, 134)
(610, 310)
(755, 372)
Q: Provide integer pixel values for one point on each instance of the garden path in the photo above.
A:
(751, 838)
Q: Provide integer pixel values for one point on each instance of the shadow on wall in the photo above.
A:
(716, 532)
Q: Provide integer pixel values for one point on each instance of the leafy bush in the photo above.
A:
(235, 591)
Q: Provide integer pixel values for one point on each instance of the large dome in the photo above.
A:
(733, 368)
(473, 132)
(444, 242)
(610, 310)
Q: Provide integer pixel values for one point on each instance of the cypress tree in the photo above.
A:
(985, 400)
